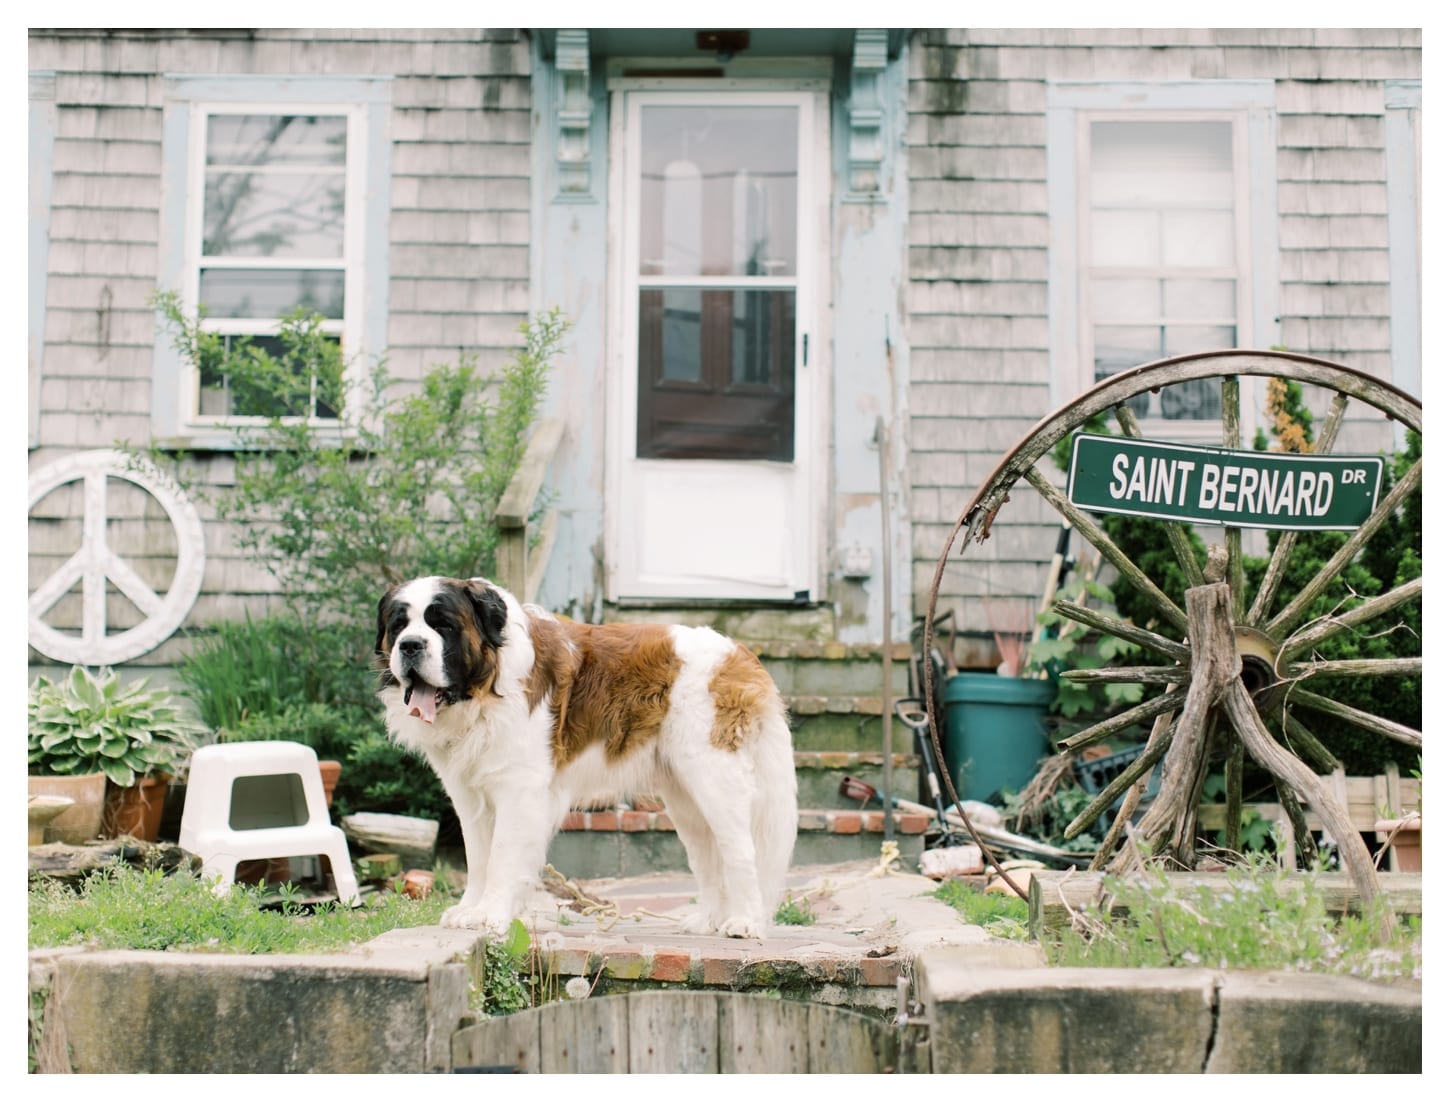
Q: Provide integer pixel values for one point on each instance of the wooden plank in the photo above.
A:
(759, 1034)
(674, 1032)
(590, 1036)
(508, 1041)
(843, 1042)
(1050, 894)
(518, 499)
(538, 560)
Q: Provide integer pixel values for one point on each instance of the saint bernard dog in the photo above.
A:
(524, 716)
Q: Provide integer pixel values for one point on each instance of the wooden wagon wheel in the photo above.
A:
(1225, 657)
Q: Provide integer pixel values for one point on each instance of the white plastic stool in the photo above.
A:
(251, 800)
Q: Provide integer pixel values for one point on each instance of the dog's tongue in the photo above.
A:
(424, 702)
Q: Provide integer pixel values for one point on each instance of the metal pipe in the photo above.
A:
(883, 449)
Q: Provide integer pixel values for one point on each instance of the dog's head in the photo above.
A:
(439, 639)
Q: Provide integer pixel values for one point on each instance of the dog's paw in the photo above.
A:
(475, 918)
(697, 922)
(742, 926)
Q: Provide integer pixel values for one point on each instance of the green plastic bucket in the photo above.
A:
(996, 731)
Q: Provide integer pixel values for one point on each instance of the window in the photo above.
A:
(273, 206)
(1154, 250)
(717, 278)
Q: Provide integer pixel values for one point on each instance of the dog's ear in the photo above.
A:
(384, 607)
(489, 610)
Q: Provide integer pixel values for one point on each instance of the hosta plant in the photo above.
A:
(95, 723)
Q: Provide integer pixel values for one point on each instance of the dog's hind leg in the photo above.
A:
(721, 783)
(704, 859)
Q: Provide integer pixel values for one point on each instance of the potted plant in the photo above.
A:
(133, 737)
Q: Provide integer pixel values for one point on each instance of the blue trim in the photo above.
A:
(1402, 186)
(42, 179)
(168, 421)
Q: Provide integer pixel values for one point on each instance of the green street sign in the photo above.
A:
(1239, 489)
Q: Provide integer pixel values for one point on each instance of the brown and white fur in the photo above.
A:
(524, 715)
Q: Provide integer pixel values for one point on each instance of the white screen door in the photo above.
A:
(712, 441)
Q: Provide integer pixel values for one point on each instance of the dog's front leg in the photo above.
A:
(523, 824)
(476, 820)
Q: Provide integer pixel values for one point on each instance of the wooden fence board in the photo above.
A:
(512, 1040)
(762, 1035)
(673, 1032)
(845, 1043)
(590, 1037)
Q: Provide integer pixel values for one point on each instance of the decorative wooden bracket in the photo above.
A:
(574, 111)
(868, 113)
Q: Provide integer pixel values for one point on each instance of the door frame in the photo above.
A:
(812, 342)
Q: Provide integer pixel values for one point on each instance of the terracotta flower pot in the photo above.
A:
(135, 810)
(82, 821)
(331, 771)
(1404, 838)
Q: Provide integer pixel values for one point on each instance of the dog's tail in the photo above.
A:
(773, 814)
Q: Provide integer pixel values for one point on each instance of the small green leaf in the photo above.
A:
(517, 943)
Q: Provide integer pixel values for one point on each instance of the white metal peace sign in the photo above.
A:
(95, 563)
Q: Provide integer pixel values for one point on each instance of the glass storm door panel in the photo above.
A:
(718, 190)
(713, 454)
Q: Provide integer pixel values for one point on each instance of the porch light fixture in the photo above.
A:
(726, 44)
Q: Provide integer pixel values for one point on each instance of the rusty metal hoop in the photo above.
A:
(1273, 645)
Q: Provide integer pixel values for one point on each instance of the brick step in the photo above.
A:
(819, 772)
(846, 723)
(595, 844)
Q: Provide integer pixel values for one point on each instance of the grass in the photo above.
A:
(1270, 919)
(795, 912)
(126, 908)
(1000, 915)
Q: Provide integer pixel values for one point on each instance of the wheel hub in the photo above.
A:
(1261, 666)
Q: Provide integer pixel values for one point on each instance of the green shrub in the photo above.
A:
(406, 488)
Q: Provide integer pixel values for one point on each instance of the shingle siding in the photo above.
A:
(459, 225)
(978, 257)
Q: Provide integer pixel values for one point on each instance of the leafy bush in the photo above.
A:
(96, 724)
(403, 482)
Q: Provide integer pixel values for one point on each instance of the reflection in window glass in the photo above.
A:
(718, 191)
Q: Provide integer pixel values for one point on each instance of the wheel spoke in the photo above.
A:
(1122, 629)
(1233, 793)
(1113, 724)
(1093, 533)
(1158, 739)
(1304, 744)
(1177, 533)
(1126, 675)
(1279, 561)
(1341, 558)
(1116, 787)
(1331, 626)
(1303, 841)
(1358, 667)
(1380, 726)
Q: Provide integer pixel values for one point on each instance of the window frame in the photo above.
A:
(191, 101)
(1072, 108)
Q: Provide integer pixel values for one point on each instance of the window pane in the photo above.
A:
(716, 374)
(718, 191)
(1173, 162)
(1125, 238)
(219, 395)
(1119, 347)
(1198, 400)
(1126, 299)
(1180, 340)
(1198, 238)
(257, 214)
(231, 293)
(276, 140)
(1198, 299)
(268, 215)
